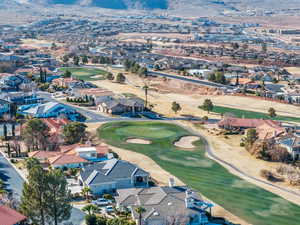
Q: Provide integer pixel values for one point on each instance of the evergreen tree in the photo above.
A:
(34, 200)
(74, 132)
(207, 105)
(58, 197)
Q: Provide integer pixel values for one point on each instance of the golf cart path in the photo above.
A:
(290, 195)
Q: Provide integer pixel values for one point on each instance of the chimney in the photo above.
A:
(171, 182)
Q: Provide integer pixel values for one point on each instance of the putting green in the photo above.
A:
(86, 74)
(146, 132)
(245, 200)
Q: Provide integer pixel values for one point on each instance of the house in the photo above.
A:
(73, 156)
(231, 123)
(123, 105)
(64, 82)
(51, 109)
(67, 161)
(55, 124)
(163, 205)
(4, 107)
(21, 98)
(113, 174)
(292, 145)
(93, 92)
(269, 130)
(9, 216)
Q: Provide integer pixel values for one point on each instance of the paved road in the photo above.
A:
(94, 117)
(13, 181)
(242, 174)
(201, 82)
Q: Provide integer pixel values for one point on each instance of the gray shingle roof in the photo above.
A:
(110, 170)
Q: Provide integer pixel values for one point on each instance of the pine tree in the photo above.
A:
(33, 200)
(58, 197)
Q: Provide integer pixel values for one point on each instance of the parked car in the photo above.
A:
(109, 209)
(102, 202)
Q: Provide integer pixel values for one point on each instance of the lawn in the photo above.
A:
(243, 199)
(252, 115)
(86, 74)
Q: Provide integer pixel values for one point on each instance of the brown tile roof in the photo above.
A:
(10, 216)
(246, 123)
(55, 124)
(64, 159)
(43, 154)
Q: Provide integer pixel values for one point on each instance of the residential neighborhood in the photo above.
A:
(146, 114)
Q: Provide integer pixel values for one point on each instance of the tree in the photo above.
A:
(146, 95)
(76, 60)
(67, 74)
(110, 76)
(36, 134)
(90, 209)
(74, 132)
(33, 200)
(140, 210)
(58, 197)
(212, 77)
(31, 163)
(85, 59)
(176, 107)
(85, 191)
(207, 105)
(272, 112)
(251, 137)
(142, 72)
(65, 58)
(264, 47)
(120, 78)
(220, 78)
(91, 219)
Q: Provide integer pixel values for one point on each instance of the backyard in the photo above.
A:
(243, 199)
(86, 74)
(252, 115)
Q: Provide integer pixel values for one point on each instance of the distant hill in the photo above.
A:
(210, 5)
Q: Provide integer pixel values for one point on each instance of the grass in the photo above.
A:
(85, 74)
(243, 199)
(252, 115)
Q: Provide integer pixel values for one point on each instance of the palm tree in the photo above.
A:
(85, 192)
(140, 210)
(90, 209)
(146, 94)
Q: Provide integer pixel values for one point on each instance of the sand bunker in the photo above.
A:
(138, 141)
(186, 142)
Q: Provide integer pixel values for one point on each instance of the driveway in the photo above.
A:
(14, 183)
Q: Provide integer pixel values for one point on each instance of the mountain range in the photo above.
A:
(161, 4)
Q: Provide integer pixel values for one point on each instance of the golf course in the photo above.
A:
(86, 74)
(245, 200)
(252, 115)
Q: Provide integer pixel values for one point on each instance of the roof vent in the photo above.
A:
(155, 214)
(171, 182)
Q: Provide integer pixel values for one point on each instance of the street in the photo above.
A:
(14, 183)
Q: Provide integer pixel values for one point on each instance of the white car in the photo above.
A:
(101, 201)
(109, 209)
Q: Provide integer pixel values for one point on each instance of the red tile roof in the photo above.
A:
(64, 159)
(245, 123)
(10, 216)
(43, 154)
(55, 124)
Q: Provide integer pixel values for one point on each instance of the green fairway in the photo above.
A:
(85, 74)
(252, 115)
(243, 199)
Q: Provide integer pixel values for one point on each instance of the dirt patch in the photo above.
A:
(138, 141)
(186, 142)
